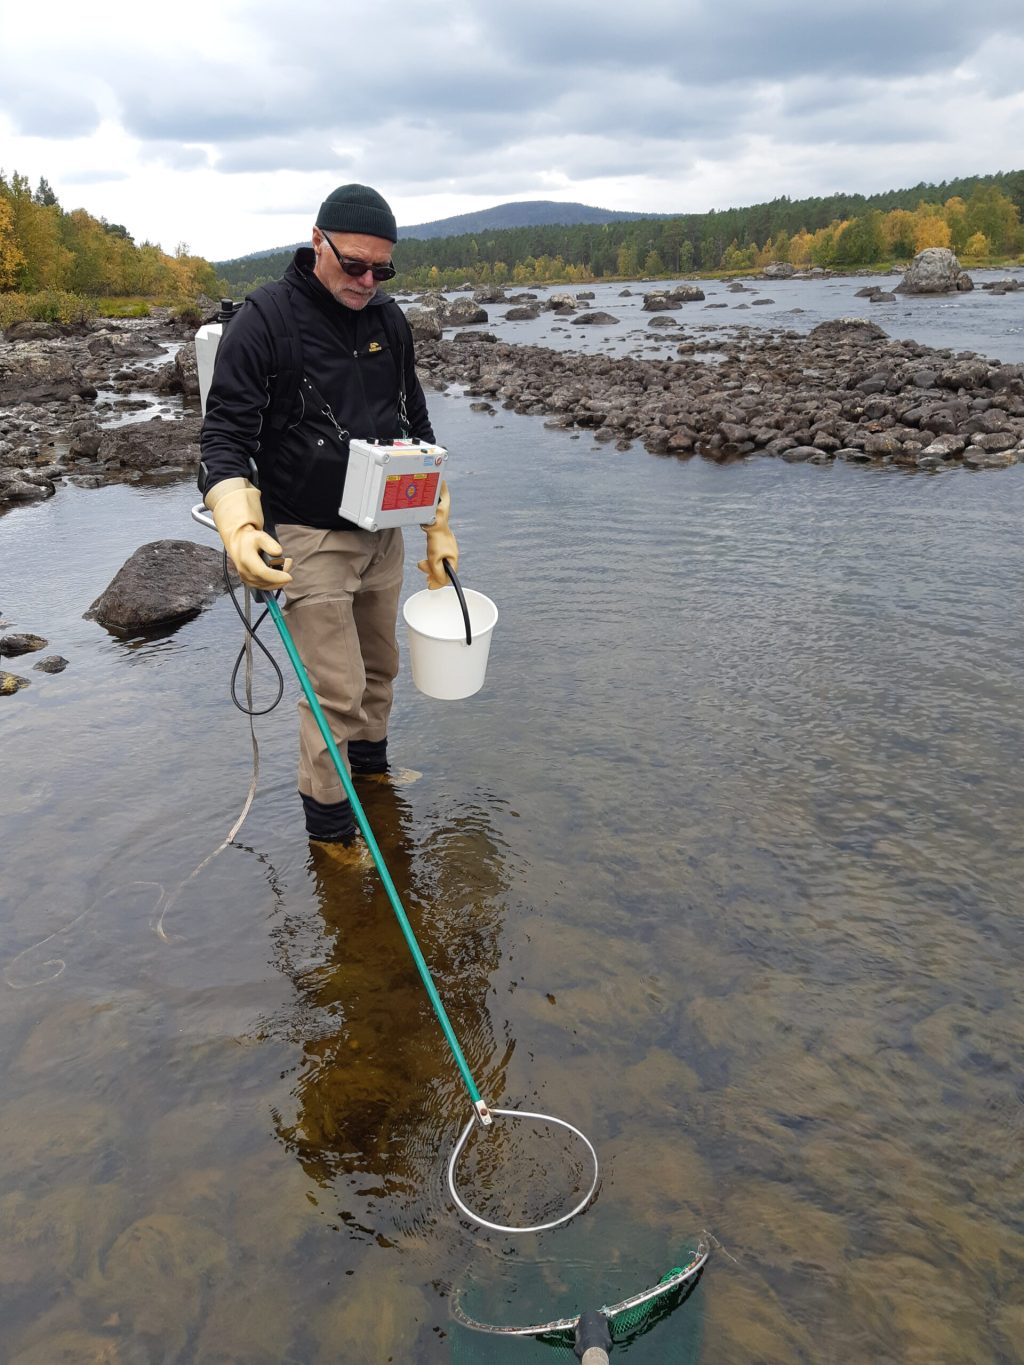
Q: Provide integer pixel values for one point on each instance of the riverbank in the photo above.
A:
(845, 391)
(83, 406)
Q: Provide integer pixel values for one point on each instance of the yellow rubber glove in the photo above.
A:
(441, 544)
(238, 514)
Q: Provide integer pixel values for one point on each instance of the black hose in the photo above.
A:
(462, 598)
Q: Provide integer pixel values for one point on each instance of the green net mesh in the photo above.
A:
(674, 1310)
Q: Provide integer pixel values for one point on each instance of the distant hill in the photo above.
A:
(546, 241)
(527, 213)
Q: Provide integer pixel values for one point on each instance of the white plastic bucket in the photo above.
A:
(443, 665)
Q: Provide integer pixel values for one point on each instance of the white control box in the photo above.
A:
(392, 485)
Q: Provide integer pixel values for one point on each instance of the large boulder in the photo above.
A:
(156, 444)
(29, 330)
(856, 329)
(778, 270)
(935, 270)
(163, 583)
(34, 372)
(424, 324)
(434, 303)
(687, 293)
(24, 485)
(186, 369)
(658, 302)
(465, 313)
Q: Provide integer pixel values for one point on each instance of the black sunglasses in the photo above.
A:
(355, 268)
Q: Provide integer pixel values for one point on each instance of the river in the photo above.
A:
(992, 325)
(722, 865)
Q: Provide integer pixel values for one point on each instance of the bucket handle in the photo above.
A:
(462, 598)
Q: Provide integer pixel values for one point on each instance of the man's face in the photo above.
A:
(354, 291)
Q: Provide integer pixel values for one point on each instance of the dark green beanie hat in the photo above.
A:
(357, 208)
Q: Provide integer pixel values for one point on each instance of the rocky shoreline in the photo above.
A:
(64, 397)
(844, 391)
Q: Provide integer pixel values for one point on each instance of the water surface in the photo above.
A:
(992, 325)
(723, 865)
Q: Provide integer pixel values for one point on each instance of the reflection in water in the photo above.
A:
(377, 1095)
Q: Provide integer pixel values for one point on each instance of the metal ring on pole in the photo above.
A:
(540, 1118)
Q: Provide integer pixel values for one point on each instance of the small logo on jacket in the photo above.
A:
(375, 346)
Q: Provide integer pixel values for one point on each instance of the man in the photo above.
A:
(341, 582)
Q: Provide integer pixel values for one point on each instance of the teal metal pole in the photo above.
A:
(371, 843)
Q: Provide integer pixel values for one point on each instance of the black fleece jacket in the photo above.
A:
(348, 357)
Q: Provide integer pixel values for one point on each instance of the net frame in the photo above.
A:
(674, 1280)
(527, 1115)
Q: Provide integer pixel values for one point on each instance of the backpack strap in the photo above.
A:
(396, 341)
(274, 302)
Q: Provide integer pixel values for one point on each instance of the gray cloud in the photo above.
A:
(706, 43)
(49, 110)
(311, 153)
(180, 156)
(545, 98)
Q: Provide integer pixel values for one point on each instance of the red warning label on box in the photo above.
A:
(409, 490)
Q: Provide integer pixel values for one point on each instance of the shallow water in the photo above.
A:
(723, 865)
(976, 321)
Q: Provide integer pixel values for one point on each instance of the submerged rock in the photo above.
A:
(163, 583)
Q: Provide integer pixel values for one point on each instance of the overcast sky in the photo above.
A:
(225, 124)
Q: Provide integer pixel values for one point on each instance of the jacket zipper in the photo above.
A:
(362, 390)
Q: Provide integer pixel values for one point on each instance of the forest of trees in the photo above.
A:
(979, 217)
(53, 262)
(58, 264)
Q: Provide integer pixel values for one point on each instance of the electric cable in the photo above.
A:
(245, 652)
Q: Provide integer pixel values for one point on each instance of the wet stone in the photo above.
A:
(13, 646)
(11, 683)
(81, 1347)
(51, 1135)
(59, 1233)
(155, 1277)
(376, 1308)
